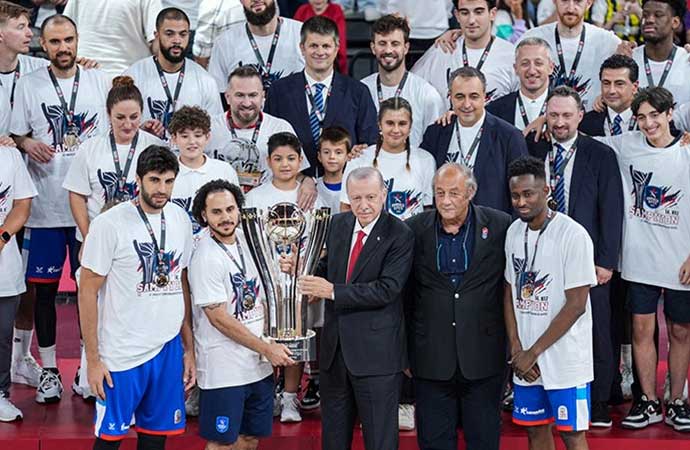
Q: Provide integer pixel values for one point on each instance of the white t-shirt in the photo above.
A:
(468, 135)
(329, 197)
(409, 191)
(267, 195)
(233, 49)
(214, 278)
(15, 184)
(436, 66)
(92, 172)
(116, 33)
(189, 181)
(37, 110)
(599, 45)
(427, 19)
(245, 157)
(564, 260)
(533, 108)
(656, 224)
(677, 79)
(198, 89)
(27, 64)
(427, 104)
(190, 7)
(136, 317)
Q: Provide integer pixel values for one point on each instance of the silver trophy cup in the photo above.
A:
(282, 229)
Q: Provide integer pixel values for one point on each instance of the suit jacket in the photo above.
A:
(349, 105)
(366, 317)
(593, 123)
(595, 199)
(504, 107)
(463, 327)
(500, 144)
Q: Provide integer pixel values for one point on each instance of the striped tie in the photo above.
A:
(314, 123)
(616, 128)
(559, 194)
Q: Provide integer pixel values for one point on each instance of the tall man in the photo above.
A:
(390, 43)
(363, 338)
(476, 139)
(268, 42)
(55, 109)
(549, 270)
(320, 97)
(476, 48)
(455, 293)
(585, 184)
(169, 80)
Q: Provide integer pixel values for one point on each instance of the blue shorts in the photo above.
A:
(45, 250)
(644, 299)
(226, 413)
(535, 405)
(153, 393)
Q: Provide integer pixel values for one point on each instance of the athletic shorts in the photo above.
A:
(153, 393)
(644, 299)
(226, 413)
(44, 251)
(569, 408)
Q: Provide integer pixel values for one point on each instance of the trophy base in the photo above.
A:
(303, 348)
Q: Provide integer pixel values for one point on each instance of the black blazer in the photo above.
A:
(501, 143)
(350, 106)
(366, 317)
(461, 327)
(504, 107)
(595, 199)
(593, 123)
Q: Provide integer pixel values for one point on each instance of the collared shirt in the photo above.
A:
(311, 82)
(625, 123)
(532, 108)
(454, 251)
(467, 135)
(367, 232)
(568, 173)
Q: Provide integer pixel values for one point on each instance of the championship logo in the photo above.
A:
(148, 264)
(222, 424)
(529, 288)
(4, 192)
(160, 110)
(58, 126)
(245, 293)
(401, 203)
(244, 157)
(267, 79)
(654, 204)
(109, 183)
(186, 204)
(558, 78)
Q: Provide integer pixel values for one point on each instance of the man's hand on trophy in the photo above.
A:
(315, 287)
(287, 261)
(278, 354)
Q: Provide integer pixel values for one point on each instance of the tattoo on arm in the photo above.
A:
(213, 306)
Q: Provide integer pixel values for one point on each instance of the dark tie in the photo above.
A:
(559, 168)
(616, 128)
(314, 123)
(354, 254)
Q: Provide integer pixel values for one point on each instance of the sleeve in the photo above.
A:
(615, 142)
(20, 124)
(681, 117)
(508, 272)
(431, 66)
(100, 246)
(231, 175)
(212, 104)
(23, 185)
(434, 106)
(578, 259)
(367, 125)
(203, 41)
(217, 66)
(5, 114)
(189, 239)
(150, 10)
(77, 178)
(428, 177)
(352, 165)
(544, 10)
(598, 11)
(71, 11)
(206, 276)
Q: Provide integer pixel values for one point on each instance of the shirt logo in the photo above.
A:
(58, 126)
(222, 424)
(148, 266)
(562, 412)
(656, 205)
(402, 203)
(4, 193)
(109, 183)
(527, 282)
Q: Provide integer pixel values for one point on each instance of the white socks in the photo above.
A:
(21, 346)
(48, 357)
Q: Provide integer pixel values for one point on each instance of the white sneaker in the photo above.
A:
(8, 412)
(290, 411)
(26, 371)
(371, 14)
(49, 388)
(191, 405)
(405, 417)
(626, 382)
(82, 389)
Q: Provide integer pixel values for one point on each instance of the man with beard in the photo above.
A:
(268, 42)
(168, 80)
(236, 384)
(135, 269)
(56, 108)
(390, 43)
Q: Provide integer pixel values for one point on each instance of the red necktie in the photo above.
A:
(354, 254)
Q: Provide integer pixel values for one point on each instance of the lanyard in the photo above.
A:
(68, 109)
(172, 99)
(482, 59)
(576, 61)
(156, 248)
(17, 74)
(555, 176)
(241, 266)
(632, 123)
(320, 113)
(523, 111)
(549, 216)
(264, 67)
(122, 174)
(468, 157)
(667, 68)
(257, 127)
(398, 90)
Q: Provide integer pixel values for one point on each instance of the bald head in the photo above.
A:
(460, 174)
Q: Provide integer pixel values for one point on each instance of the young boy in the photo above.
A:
(334, 149)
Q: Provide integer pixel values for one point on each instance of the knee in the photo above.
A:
(572, 438)
(211, 445)
(538, 433)
(246, 443)
(679, 332)
(150, 442)
(643, 327)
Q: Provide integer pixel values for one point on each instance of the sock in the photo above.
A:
(289, 396)
(48, 357)
(626, 355)
(22, 343)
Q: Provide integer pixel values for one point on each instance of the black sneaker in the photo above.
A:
(678, 415)
(600, 415)
(311, 398)
(507, 400)
(643, 413)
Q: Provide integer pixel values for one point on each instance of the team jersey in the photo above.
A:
(330, 194)
(677, 79)
(267, 195)
(25, 65)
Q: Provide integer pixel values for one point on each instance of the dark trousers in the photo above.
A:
(439, 404)
(8, 310)
(345, 396)
(604, 365)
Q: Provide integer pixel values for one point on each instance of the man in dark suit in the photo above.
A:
(361, 279)
(454, 315)
(319, 97)
(477, 139)
(586, 185)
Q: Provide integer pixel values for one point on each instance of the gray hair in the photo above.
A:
(466, 172)
(533, 41)
(466, 72)
(365, 173)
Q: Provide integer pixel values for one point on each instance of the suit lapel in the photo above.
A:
(430, 248)
(370, 245)
(485, 151)
(336, 99)
(579, 172)
(299, 106)
(513, 106)
(342, 245)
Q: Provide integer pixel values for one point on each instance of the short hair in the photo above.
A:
(10, 10)
(466, 172)
(319, 25)
(336, 135)
(58, 19)
(156, 158)
(677, 6)
(365, 173)
(123, 89)
(527, 165)
(565, 91)
(245, 71)
(490, 3)
(466, 72)
(658, 97)
(390, 23)
(213, 186)
(190, 118)
(533, 42)
(621, 62)
(284, 139)
(171, 14)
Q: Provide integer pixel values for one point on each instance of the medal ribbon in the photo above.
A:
(160, 250)
(398, 90)
(67, 109)
(554, 175)
(468, 157)
(17, 74)
(172, 99)
(667, 68)
(122, 175)
(482, 59)
(264, 67)
(576, 61)
(549, 217)
(257, 127)
(523, 111)
(242, 268)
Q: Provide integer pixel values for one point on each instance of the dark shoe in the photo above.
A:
(312, 398)
(600, 415)
(643, 413)
(678, 415)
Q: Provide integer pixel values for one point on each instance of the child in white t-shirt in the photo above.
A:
(334, 148)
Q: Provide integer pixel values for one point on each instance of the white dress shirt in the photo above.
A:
(625, 123)
(324, 92)
(568, 173)
(532, 108)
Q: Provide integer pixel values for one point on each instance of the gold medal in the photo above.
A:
(527, 291)
(248, 302)
(71, 141)
(553, 204)
(162, 279)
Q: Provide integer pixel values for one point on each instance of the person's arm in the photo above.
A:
(610, 209)
(189, 375)
(89, 285)
(512, 336)
(77, 204)
(17, 217)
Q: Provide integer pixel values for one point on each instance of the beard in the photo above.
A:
(391, 67)
(218, 231)
(262, 18)
(147, 198)
(172, 58)
(55, 61)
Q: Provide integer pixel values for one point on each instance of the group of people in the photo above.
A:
(506, 215)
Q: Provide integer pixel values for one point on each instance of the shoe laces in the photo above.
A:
(639, 407)
(680, 408)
